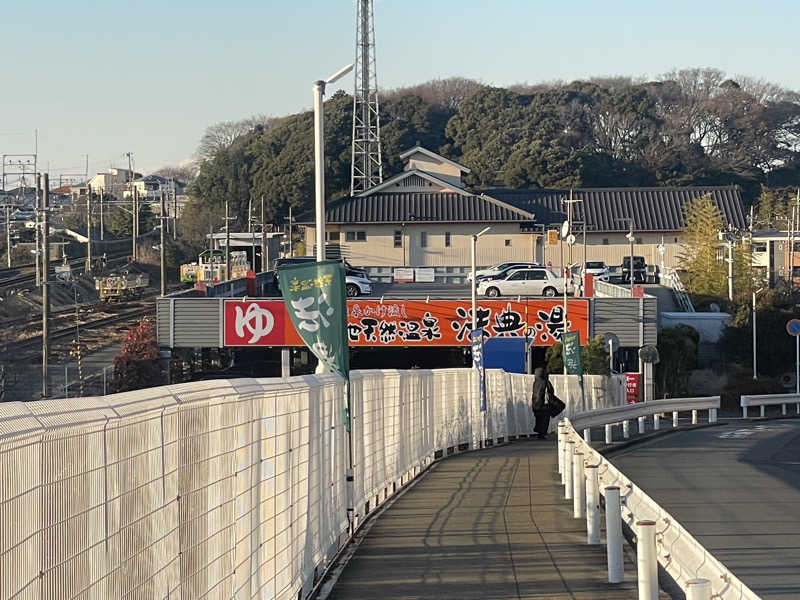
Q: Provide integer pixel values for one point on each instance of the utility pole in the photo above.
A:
(792, 229)
(8, 235)
(264, 257)
(135, 220)
(102, 224)
(88, 229)
(45, 285)
(227, 243)
(36, 216)
(174, 213)
(161, 246)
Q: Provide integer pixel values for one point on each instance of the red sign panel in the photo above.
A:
(632, 388)
(412, 322)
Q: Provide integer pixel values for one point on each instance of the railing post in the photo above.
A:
(568, 470)
(626, 429)
(578, 487)
(712, 415)
(646, 562)
(641, 425)
(694, 416)
(698, 589)
(783, 409)
(587, 436)
(614, 535)
(608, 433)
(744, 411)
(674, 418)
(561, 434)
(656, 422)
(592, 505)
(762, 410)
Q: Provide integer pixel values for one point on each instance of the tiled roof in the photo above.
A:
(438, 207)
(652, 208)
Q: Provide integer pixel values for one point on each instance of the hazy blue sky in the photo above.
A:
(104, 78)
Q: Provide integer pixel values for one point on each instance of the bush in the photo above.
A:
(593, 357)
(677, 350)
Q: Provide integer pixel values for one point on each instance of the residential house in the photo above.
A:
(773, 254)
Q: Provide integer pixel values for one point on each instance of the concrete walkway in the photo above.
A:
(489, 524)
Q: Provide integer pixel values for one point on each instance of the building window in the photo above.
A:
(605, 241)
(333, 236)
(795, 272)
(638, 240)
(355, 236)
(446, 239)
(508, 243)
(675, 240)
(423, 239)
(398, 238)
(759, 247)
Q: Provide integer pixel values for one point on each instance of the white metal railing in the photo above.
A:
(230, 488)
(688, 563)
(670, 277)
(770, 400)
(621, 415)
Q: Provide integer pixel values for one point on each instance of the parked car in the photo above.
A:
(356, 281)
(639, 269)
(499, 270)
(597, 268)
(538, 281)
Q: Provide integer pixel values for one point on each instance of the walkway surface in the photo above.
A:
(740, 501)
(491, 524)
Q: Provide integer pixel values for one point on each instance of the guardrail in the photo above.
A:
(621, 415)
(587, 474)
(769, 400)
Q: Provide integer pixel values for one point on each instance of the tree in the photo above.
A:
(677, 352)
(136, 366)
(705, 273)
(593, 357)
(120, 221)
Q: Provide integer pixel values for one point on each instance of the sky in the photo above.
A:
(100, 79)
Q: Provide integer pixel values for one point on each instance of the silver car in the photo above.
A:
(537, 281)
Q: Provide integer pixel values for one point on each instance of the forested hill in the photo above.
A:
(692, 127)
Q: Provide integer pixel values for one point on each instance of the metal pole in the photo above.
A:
(161, 246)
(45, 286)
(578, 487)
(264, 257)
(592, 505)
(630, 239)
(227, 243)
(36, 217)
(102, 223)
(755, 371)
(88, 269)
(472, 287)
(134, 221)
(646, 562)
(616, 570)
(174, 213)
(319, 166)
(797, 364)
(291, 235)
(8, 236)
(730, 270)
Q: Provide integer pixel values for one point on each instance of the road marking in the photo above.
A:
(743, 433)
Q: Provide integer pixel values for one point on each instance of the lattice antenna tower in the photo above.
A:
(366, 168)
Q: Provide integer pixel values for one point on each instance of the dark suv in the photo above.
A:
(639, 269)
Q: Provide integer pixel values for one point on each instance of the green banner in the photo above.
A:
(571, 346)
(316, 300)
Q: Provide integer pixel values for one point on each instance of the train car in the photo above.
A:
(210, 267)
(124, 285)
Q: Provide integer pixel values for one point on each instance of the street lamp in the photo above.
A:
(755, 372)
(475, 237)
(631, 238)
(319, 156)
(729, 237)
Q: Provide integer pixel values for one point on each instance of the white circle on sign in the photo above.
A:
(258, 321)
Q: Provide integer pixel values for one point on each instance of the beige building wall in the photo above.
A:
(612, 247)
(503, 242)
(442, 170)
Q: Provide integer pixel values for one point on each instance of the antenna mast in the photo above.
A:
(366, 168)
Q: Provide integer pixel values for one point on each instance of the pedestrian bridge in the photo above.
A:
(251, 488)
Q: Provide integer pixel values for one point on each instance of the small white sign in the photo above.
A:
(425, 275)
(403, 275)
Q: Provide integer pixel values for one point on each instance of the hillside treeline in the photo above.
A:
(689, 127)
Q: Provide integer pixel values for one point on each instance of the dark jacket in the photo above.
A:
(541, 383)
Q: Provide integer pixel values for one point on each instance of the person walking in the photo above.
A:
(542, 392)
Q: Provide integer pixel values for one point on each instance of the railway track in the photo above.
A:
(23, 280)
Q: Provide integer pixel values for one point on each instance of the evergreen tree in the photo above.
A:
(705, 273)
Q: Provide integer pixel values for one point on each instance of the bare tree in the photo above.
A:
(221, 135)
(186, 172)
(448, 93)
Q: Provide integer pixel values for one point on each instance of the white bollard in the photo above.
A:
(656, 422)
(562, 454)
(798, 408)
(592, 504)
(712, 415)
(646, 560)
(744, 412)
(783, 409)
(694, 416)
(587, 436)
(698, 589)
(626, 429)
(641, 425)
(614, 535)
(568, 470)
(578, 487)
(609, 436)
(674, 418)
(561, 435)
(762, 410)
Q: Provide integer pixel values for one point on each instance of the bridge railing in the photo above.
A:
(677, 551)
(229, 488)
(622, 415)
(769, 400)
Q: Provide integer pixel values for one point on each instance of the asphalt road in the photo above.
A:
(736, 488)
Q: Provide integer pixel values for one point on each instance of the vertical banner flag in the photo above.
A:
(476, 339)
(315, 298)
(572, 353)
